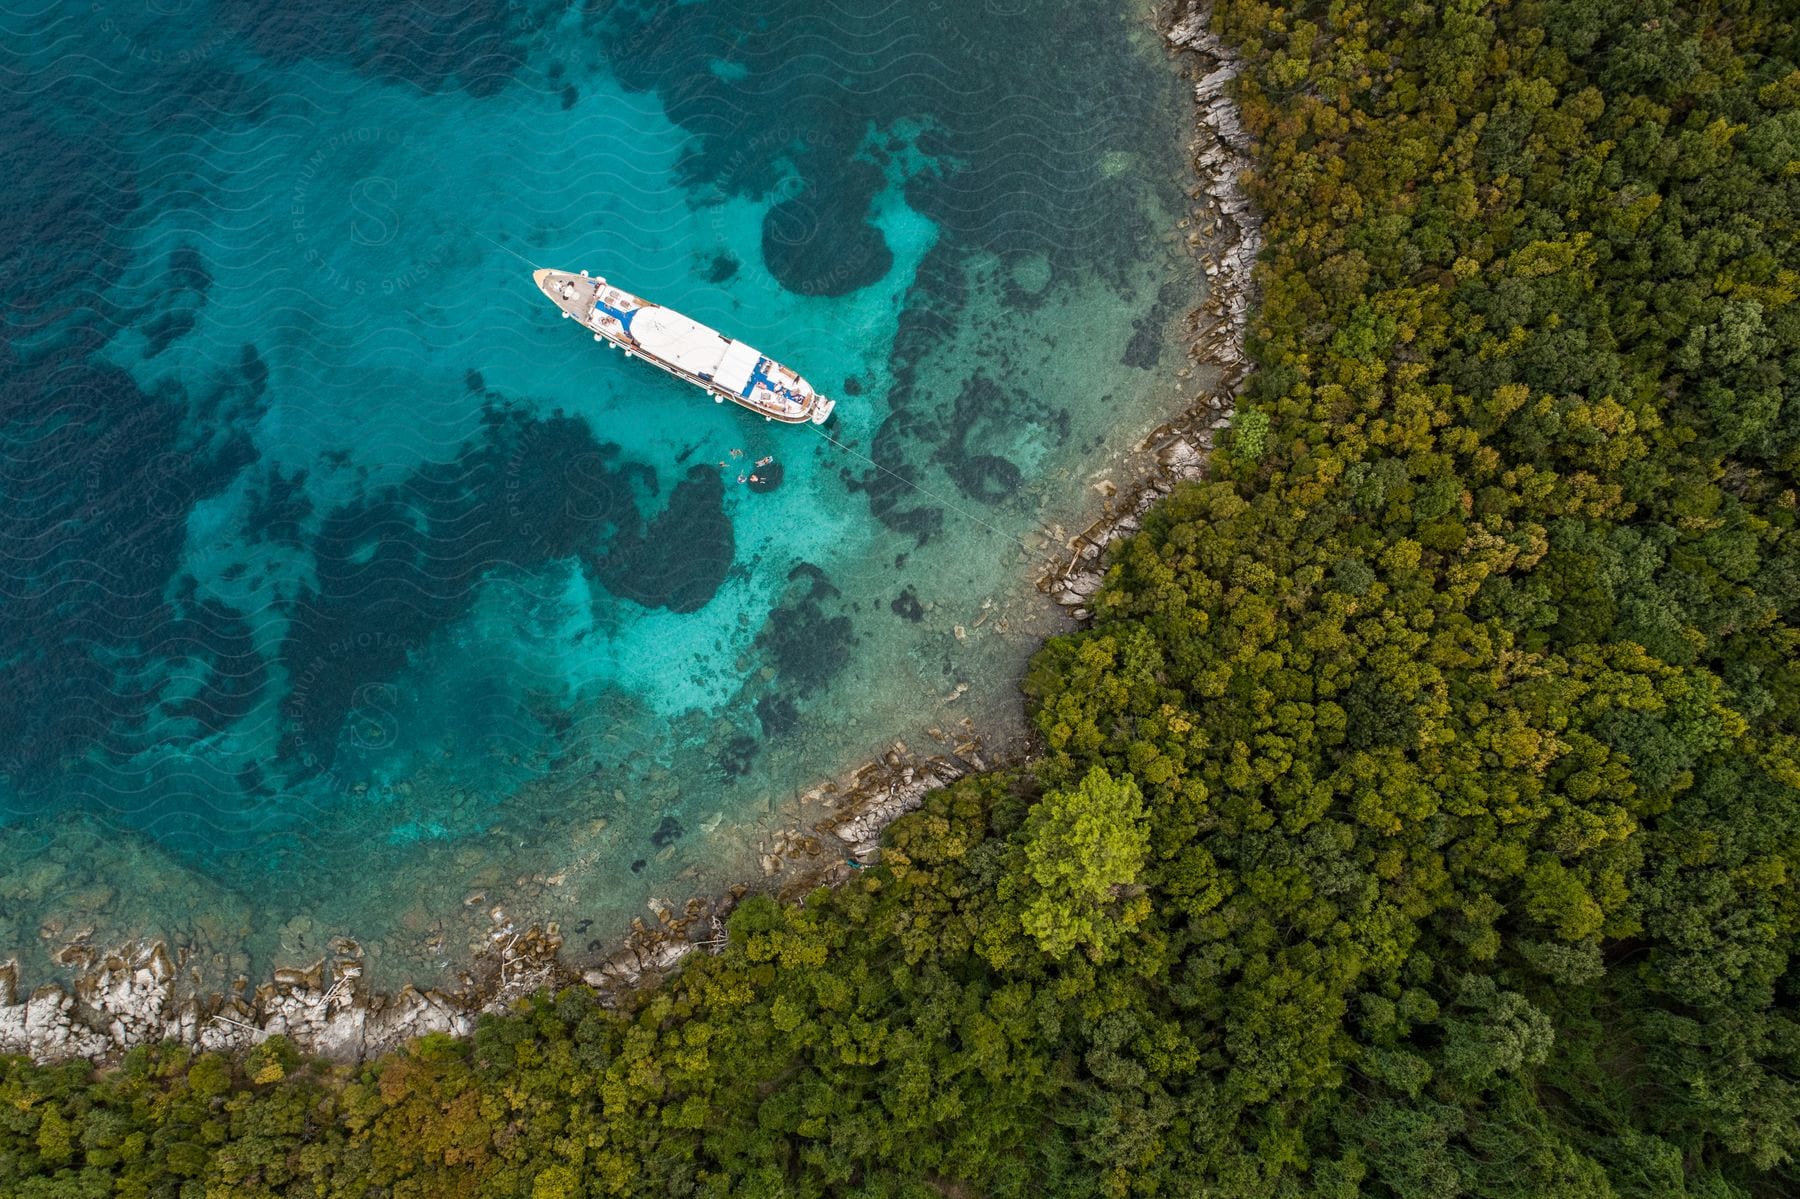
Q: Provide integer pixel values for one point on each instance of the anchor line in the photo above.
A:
(921, 489)
(484, 237)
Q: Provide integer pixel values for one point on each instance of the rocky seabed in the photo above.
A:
(142, 993)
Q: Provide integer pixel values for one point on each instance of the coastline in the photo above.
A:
(1225, 234)
(134, 994)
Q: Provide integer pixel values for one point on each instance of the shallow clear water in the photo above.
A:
(340, 580)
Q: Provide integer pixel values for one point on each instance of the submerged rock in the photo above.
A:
(907, 606)
(722, 267)
(766, 478)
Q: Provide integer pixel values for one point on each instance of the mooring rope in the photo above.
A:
(484, 237)
(921, 489)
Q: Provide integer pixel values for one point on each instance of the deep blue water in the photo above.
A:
(339, 579)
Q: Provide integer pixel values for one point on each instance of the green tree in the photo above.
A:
(1076, 863)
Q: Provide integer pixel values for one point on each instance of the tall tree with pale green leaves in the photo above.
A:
(1075, 866)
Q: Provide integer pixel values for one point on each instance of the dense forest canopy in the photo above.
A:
(1418, 818)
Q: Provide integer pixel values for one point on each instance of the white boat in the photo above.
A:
(685, 348)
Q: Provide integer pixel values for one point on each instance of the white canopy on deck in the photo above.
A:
(684, 342)
(736, 367)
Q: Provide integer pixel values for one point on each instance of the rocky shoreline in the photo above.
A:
(1223, 232)
(143, 993)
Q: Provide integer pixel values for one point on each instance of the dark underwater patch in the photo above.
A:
(906, 605)
(892, 498)
(721, 268)
(668, 831)
(1144, 350)
(812, 581)
(279, 506)
(738, 755)
(678, 560)
(987, 477)
(766, 478)
(66, 200)
(778, 714)
(820, 243)
(165, 329)
(187, 271)
(985, 414)
(434, 45)
(227, 675)
(807, 636)
(185, 286)
(938, 290)
(396, 566)
(99, 478)
(253, 371)
(1022, 299)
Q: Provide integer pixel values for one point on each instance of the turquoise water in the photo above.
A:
(343, 583)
